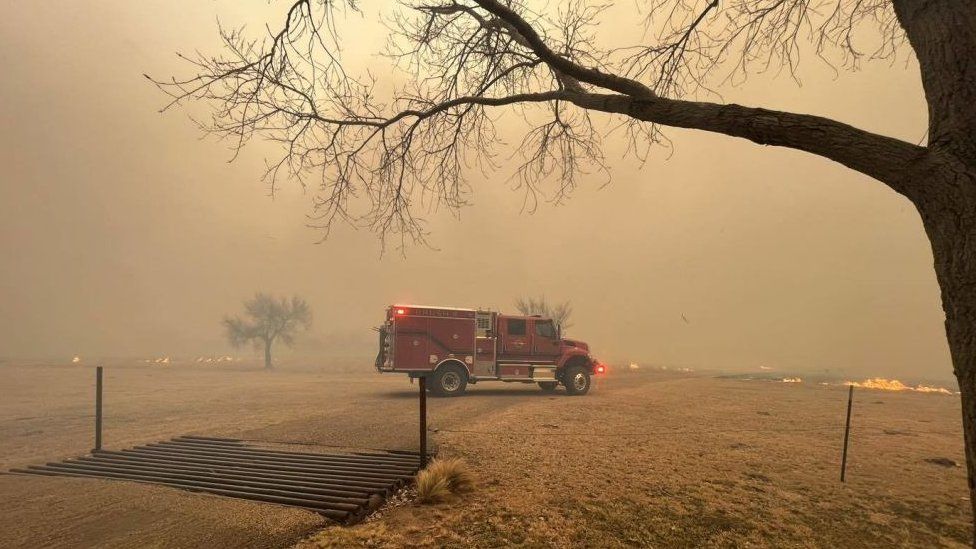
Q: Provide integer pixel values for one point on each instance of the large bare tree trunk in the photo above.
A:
(949, 215)
(943, 35)
(267, 354)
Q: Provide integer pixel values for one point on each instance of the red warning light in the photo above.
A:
(601, 369)
(401, 311)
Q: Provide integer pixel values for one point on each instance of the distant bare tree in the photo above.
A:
(268, 319)
(558, 312)
(464, 59)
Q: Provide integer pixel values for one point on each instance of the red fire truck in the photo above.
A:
(453, 347)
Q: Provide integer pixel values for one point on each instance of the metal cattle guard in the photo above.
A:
(341, 486)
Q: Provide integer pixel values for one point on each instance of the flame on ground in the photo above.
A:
(682, 370)
(211, 359)
(882, 384)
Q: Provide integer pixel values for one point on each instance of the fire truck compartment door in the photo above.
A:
(515, 340)
(410, 352)
(543, 373)
(484, 359)
(545, 346)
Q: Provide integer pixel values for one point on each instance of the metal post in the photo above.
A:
(98, 408)
(847, 432)
(423, 422)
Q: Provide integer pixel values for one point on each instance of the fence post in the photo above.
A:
(98, 408)
(847, 432)
(423, 421)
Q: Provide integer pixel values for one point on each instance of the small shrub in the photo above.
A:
(431, 489)
(441, 479)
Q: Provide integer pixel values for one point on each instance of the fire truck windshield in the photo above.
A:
(545, 328)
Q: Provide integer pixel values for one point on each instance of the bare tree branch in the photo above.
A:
(381, 164)
(559, 313)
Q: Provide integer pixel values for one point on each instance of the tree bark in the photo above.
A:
(943, 35)
(948, 210)
(267, 355)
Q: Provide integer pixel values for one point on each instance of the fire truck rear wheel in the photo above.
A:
(577, 381)
(449, 380)
(548, 386)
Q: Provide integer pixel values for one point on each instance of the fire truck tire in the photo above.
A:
(449, 380)
(577, 381)
(548, 386)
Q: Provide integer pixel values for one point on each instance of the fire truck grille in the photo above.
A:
(341, 486)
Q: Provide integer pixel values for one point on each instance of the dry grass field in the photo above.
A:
(649, 458)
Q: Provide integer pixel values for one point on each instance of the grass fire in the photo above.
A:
(488, 273)
(882, 384)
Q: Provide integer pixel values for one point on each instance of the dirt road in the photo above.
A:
(648, 458)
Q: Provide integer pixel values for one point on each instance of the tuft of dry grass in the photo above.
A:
(431, 489)
(443, 478)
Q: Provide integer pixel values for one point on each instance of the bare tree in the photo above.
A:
(558, 312)
(466, 58)
(266, 320)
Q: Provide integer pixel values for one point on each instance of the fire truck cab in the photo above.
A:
(453, 347)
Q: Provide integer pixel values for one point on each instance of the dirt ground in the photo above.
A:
(649, 458)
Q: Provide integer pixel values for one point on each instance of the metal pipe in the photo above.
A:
(847, 432)
(213, 483)
(331, 495)
(423, 421)
(98, 408)
(128, 455)
(393, 457)
(321, 508)
(398, 454)
(250, 444)
(282, 460)
(276, 458)
(274, 464)
(404, 452)
(269, 466)
(238, 443)
(321, 502)
(342, 480)
(304, 456)
(298, 482)
(216, 439)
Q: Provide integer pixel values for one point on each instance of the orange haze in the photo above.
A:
(124, 234)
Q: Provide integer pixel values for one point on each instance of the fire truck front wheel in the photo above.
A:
(449, 380)
(577, 380)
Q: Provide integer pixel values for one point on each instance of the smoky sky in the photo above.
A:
(124, 232)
